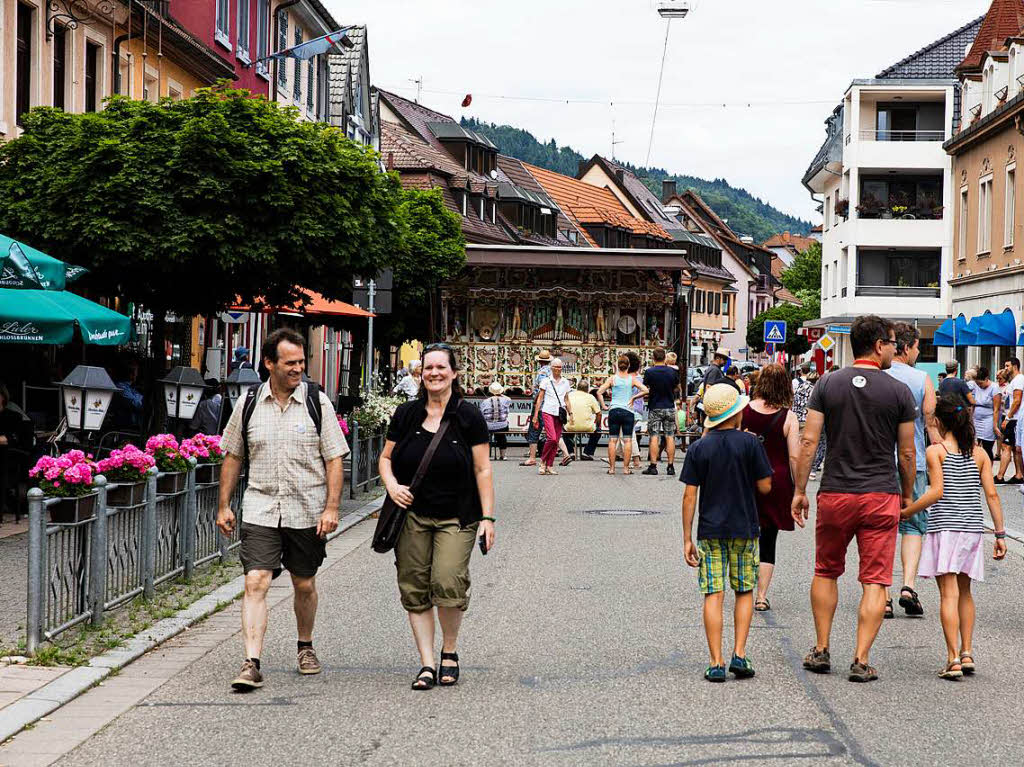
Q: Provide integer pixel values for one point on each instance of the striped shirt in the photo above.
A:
(960, 508)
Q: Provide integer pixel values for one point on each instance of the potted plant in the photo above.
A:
(868, 207)
(169, 461)
(842, 208)
(68, 477)
(126, 468)
(375, 413)
(206, 449)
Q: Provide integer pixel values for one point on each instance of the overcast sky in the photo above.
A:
(790, 59)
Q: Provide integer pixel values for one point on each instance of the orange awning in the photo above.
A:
(317, 305)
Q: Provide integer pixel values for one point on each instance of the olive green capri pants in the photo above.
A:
(432, 558)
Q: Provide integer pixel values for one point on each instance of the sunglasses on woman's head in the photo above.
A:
(439, 347)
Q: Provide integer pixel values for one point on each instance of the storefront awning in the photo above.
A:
(997, 329)
(954, 332)
(316, 305)
(36, 316)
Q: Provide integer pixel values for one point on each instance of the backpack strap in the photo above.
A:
(313, 407)
(248, 407)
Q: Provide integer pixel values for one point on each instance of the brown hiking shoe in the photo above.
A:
(862, 672)
(308, 662)
(249, 678)
(818, 661)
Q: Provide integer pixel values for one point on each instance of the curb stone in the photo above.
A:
(48, 698)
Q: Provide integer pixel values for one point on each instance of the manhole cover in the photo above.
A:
(621, 512)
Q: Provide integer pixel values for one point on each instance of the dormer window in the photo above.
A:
(475, 152)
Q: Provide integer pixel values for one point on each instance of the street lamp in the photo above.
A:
(239, 383)
(87, 392)
(183, 388)
(673, 9)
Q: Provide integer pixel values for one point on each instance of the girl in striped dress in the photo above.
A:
(953, 548)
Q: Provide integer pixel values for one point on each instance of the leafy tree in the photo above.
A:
(746, 213)
(434, 250)
(794, 316)
(804, 274)
(189, 205)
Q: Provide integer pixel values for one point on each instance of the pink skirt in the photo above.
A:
(953, 552)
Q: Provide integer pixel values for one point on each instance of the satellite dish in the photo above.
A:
(494, 175)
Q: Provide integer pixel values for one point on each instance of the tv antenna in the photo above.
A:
(614, 142)
(419, 86)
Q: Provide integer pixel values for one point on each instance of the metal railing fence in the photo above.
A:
(79, 569)
(363, 460)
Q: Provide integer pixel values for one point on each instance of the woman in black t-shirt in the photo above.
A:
(453, 504)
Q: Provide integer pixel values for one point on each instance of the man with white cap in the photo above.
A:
(495, 411)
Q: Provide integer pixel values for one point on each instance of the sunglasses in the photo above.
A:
(439, 347)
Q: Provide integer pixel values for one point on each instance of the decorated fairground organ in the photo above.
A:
(499, 319)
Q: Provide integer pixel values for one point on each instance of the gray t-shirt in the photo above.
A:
(863, 410)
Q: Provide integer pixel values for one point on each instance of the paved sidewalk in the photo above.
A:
(583, 646)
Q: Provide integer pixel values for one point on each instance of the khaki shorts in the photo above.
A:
(432, 559)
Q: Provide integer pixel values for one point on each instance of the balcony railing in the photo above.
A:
(898, 291)
(906, 214)
(902, 135)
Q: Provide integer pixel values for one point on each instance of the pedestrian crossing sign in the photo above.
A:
(775, 332)
(826, 342)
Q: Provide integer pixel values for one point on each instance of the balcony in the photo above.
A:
(893, 273)
(902, 135)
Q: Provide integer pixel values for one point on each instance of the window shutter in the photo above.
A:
(282, 43)
(297, 85)
(310, 93)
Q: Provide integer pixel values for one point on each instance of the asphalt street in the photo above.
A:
(583, 645)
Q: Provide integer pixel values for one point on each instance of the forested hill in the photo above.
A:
(746, 214)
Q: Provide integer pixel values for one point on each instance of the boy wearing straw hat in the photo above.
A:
(727, 465)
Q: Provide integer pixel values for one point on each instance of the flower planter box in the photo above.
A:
(207, 473)
(129, 494)
(174, 482)
(67, 511)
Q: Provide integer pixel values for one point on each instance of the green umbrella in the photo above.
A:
(22, 266)
(33, 316)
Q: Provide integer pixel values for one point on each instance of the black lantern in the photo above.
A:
(240, 381)
(183, 388)
(87, 392)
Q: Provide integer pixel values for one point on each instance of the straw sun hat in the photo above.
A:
(496, 389)
(722, 402)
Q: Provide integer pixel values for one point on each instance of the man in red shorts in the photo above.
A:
(866, 414)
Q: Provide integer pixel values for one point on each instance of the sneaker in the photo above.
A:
(715, 674)
(586, 457)
(670, 470)
(249, 678)
(650, 471)
(813, 475)
(741, 667)
(308, 662)
(862, 672)
(818, 661)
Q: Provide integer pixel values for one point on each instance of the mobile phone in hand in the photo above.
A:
(483, 544)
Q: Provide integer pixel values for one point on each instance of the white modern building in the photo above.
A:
(885, 185)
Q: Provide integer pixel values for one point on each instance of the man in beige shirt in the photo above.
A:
(291, 502)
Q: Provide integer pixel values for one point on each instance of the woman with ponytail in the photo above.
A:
(953, 548)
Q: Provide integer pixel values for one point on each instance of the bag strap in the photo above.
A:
(313, 407)
(428, 456)
(248, 407)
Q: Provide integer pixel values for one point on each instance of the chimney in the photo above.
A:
(581, 168)
(391, 160)
(668, 189)
(620, 174)
(786, 237)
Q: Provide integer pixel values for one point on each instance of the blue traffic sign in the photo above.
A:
(775, 331)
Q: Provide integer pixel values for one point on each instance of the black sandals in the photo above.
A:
(448, 672)
(910, 602)
(423, 681)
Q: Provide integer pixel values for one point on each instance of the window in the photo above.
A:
(725, 304)
(985, 216)
(824, 281)
(222, 34)
(59, 66)
(483, 202)
(465, 202)
(494, 220)
(962, 240)
(92, 67)
(297, 84)
(282, 43)
(1009, 206)
(262, 35)
(150, 88)
(828, 212)
(835, 278)
(243, 30)
(23, 62)
(310, 91)
(718, 303)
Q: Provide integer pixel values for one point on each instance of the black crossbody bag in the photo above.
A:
(563, 416)
(391, 519)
